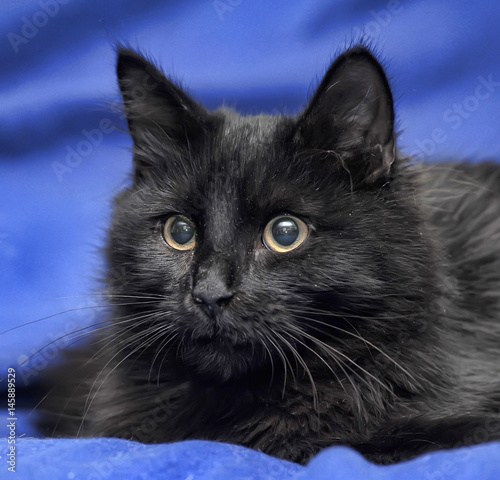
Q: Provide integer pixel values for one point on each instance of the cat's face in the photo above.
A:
(253, 242)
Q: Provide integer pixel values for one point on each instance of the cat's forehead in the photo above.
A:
(247, 133)
(247, 167)
(249, 147)
(253, 170)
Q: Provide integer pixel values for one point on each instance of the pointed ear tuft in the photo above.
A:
(352, 114)
(157, 110)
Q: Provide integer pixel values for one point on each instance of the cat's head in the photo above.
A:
(259, 242)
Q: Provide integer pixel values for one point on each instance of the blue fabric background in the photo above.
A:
(63, 156)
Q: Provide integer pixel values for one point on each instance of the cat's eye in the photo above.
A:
(284, 233)
(180, 233)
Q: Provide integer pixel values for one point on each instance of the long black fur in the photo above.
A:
(381, 331)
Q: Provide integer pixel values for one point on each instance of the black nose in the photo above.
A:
(212, 300)
(213, 282)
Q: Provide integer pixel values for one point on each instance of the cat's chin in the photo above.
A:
(218, 359)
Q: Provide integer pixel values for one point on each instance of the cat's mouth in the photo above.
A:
(219, 342)
(220, 358)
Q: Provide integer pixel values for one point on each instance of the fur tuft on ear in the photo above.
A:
(352, 114)
(156, 109)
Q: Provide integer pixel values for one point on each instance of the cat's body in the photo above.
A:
(378, 327)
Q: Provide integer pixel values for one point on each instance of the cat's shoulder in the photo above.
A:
(459, 191)
(460, 202)
(460, 176)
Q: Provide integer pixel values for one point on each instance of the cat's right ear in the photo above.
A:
(158, 111)
(351, 117)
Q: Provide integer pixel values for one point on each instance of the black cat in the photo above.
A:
(288, 284)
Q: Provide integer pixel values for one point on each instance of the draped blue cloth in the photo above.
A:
(112, 458)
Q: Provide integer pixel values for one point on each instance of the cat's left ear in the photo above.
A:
(352, 115)
(158, 111)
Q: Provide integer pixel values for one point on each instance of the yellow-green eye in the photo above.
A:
(284, 233)
(180, 233)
